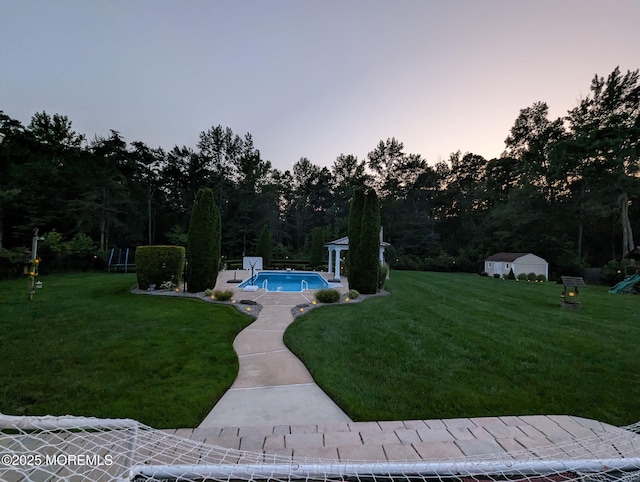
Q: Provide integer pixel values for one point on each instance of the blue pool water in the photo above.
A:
(286, 281)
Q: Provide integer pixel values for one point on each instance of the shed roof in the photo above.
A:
(509, 257)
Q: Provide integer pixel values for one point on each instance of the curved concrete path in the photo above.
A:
(273, 387)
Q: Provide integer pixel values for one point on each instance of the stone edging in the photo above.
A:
(247, 307)
(305, 308)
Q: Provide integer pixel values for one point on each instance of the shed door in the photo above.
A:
(497, 268)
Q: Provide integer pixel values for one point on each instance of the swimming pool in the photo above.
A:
(290, 281)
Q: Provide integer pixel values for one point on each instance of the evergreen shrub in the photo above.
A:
(157, 264)
(203, 244)
(368, 262)
(532, 277)
(327, 296)
(225, 295)
(11, 262)
(612, 273)
(522, 277)
(265, 246)
(383, 272)
(77, 254)
(355, 227)
(409, 262)
(317, 247)
(290, 263)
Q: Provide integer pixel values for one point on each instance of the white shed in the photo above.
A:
(502, 263)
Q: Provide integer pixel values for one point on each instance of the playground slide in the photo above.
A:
(625, 286)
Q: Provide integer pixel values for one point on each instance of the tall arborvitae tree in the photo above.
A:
(265, 246)
(368, 258)
(203, 245)
(317, 247)
(355, 226)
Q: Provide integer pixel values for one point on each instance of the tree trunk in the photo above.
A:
(581, 222)
(150, 214)
(627, 234)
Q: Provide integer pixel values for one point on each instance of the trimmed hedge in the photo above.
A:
(279, 264)
(327, 296)
(157, 264)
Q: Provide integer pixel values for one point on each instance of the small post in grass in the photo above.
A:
(34, 261)
(570, 297)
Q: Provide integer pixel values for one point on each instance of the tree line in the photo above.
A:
(566, 189)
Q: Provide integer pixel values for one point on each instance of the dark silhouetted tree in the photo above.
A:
(355, 226)
(265, 246)
(317, 247)
(203, 245)
(368, 261)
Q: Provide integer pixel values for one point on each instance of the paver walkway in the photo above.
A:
(524, 437)
(273, 387)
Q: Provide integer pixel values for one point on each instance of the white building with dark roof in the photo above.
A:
(502, 263)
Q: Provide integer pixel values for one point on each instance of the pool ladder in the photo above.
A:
(304, 283)
(265, 285)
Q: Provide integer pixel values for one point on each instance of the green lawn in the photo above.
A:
(86, 346)
(459, 345)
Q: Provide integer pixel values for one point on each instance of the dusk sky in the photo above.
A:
(309, 78)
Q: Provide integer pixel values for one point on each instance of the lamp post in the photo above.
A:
(34, 262)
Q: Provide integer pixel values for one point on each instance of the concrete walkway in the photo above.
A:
(273, 387)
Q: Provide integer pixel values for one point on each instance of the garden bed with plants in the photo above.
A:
(219, 297)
